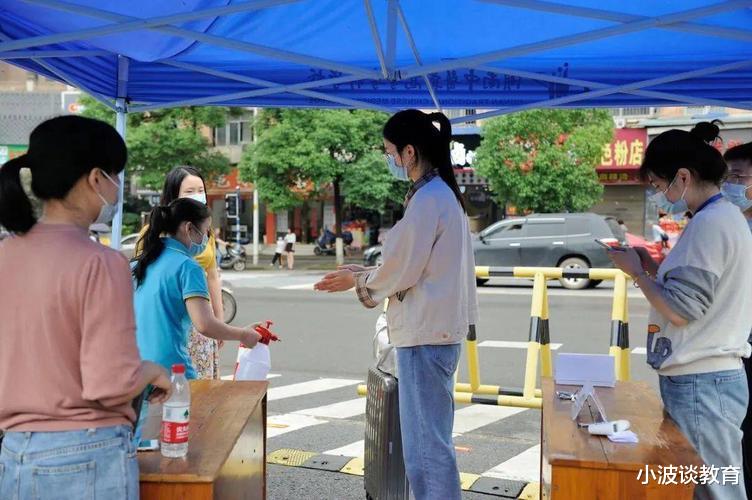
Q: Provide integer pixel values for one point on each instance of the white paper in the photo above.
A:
(624, 437)
(578, 369)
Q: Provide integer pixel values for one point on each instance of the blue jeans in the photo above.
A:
(426, 404)
(709, 408)
(83, 465)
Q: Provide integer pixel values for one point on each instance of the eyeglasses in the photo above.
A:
(737, 178)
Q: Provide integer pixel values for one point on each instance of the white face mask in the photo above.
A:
(108, 210)
(199, 197)
(399, 173)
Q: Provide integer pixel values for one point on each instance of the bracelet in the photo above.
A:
(635, 278)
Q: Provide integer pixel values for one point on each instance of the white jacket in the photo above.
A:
(428, 256)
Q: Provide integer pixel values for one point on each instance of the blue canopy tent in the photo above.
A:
(496, 55)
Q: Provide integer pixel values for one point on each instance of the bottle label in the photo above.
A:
(175, 425)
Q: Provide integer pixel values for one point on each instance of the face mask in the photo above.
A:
(199, 197)
(108, 210)
(737, 194)
(198, 248)
(399, 173)
(665, 205)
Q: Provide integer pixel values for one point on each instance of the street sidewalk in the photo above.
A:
(305, 260)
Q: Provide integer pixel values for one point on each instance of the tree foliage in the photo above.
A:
(160, 140)
(545, 160)
(300, 154)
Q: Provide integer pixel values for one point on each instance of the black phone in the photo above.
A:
(609, 247)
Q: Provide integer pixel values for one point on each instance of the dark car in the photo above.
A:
(549, 240)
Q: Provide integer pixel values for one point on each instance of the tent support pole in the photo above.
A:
(120, 125)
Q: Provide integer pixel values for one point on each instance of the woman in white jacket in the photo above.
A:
(429, 276)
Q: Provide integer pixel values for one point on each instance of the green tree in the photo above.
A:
(544, 160)
(300, 154)
(160, 140)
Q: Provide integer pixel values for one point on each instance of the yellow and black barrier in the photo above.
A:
(539, 337)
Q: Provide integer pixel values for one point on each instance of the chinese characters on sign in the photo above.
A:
(689, 474)
(621, 159)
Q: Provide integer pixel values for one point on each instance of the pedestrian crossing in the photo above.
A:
(480, 431)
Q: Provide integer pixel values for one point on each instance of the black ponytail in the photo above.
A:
(708, 132)
(16, 210)
(417, 128)
(676, 149)
(61, 151)
(166, 220)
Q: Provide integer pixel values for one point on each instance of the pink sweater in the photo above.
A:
(67, 334)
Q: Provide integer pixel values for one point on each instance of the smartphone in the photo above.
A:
(148, 445)
(609, 247)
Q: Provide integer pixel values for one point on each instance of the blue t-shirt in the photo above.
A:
(163, 325)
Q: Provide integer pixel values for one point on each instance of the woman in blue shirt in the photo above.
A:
(171, 289)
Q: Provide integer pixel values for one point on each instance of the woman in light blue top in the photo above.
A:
(171, 290)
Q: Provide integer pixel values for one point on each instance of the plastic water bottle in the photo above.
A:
(176, 413)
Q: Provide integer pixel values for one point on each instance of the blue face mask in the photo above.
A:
(665, 205)
(737, 194)
(199, 248)
(399, 173)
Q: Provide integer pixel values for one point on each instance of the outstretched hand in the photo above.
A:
(338, 281)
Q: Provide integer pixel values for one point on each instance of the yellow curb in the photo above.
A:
(292, 458)
(354, 467)
(531, 492)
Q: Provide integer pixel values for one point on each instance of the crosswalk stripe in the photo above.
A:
(310, 387)
(466, 419)
(268, 377)
(305, 286)
(343, 409)
(276, 425)
(509, 344)
(474, 417)
(522, 467)
(356, 449)
(639, 350)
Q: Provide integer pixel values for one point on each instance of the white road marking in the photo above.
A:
(343, 409)
(304, 388)
(522, 467)
(639, 350)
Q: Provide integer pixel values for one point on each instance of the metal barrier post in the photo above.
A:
(536, 333)
(619, 348)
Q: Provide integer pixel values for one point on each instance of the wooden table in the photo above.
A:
(576, 465)
(227, 446)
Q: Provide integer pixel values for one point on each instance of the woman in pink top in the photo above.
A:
(69, 365)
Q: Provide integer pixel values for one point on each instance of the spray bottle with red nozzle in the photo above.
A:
(255, 363)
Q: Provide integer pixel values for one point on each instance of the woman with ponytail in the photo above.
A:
(171, 289)
(428, 275)
(700, 315)
(69, 365)
(187, 182)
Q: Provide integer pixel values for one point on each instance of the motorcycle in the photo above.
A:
(234, 257)
(325, 242)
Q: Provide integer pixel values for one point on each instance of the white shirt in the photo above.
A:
(428, 255)
(291, 238)
(280, 246)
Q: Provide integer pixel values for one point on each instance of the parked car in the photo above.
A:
(550, 240)
(372, 256)
(128, 245)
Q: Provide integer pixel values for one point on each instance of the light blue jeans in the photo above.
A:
(93, 464)
(709, 408)
(426, 404)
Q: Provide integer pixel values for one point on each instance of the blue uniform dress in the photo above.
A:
(163, 325)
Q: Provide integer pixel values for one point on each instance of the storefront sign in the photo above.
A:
(621, 159)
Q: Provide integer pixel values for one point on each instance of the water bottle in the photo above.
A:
(176, 413)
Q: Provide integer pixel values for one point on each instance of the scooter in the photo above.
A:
(325, 243)
(234, 257)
